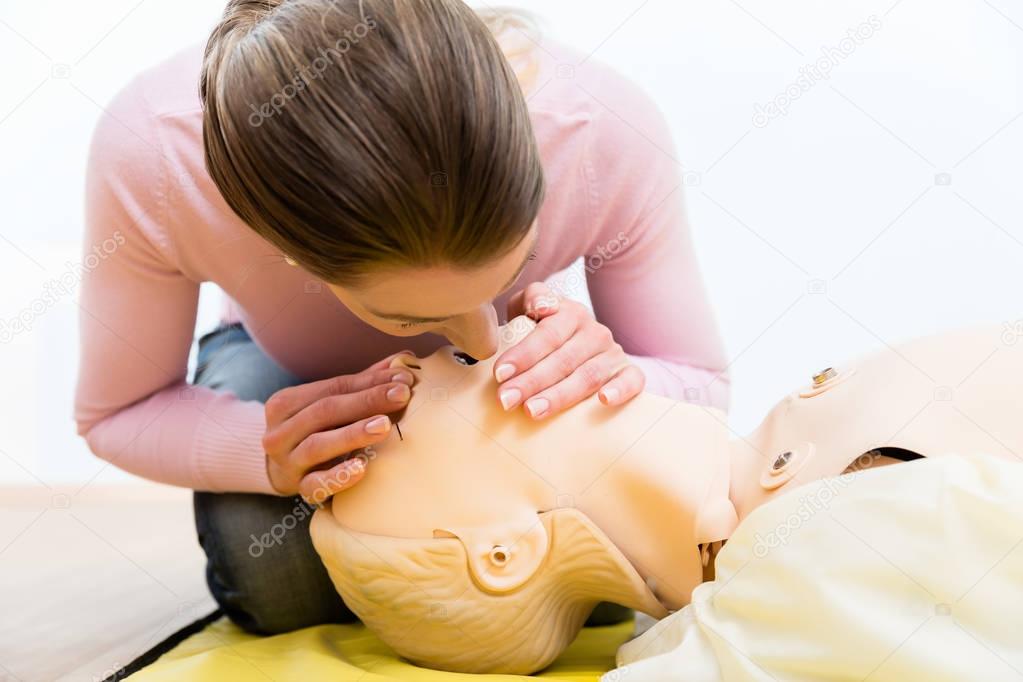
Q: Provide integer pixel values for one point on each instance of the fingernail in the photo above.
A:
(541, 305)
(378, 425)
(399, 393)
(610, 396)
(404, 378)
(356, 465)
(537, 407)
(510, 398)
(504, 372)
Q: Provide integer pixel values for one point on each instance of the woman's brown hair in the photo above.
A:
(359, 134)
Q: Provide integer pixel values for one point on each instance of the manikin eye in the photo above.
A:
(465, 358)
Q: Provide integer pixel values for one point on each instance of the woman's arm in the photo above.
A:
(642, 271)
(137, 320)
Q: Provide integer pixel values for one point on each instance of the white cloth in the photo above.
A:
(904, 573)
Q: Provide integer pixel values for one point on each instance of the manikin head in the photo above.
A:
(480, 540)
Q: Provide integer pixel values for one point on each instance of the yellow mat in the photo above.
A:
(348, 653)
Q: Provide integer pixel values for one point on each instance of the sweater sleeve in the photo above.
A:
(642, 270)
(137, 318)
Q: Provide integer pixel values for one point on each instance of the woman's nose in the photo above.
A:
(475, 333)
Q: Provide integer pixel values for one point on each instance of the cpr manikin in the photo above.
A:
(480, 540)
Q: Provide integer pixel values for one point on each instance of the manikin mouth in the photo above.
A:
(464, 358)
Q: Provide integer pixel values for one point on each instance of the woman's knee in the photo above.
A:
(261, 566)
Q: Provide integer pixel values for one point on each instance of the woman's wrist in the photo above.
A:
(227, 449)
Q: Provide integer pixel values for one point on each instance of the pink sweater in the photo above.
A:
(156, 227)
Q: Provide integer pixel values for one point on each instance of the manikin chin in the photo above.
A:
(479, 540)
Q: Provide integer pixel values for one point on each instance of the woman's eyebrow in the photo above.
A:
(525, 262)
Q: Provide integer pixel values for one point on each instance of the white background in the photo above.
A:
(822, 234)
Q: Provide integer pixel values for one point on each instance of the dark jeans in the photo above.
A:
(260, 563)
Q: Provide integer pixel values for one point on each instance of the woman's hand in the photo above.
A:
(309, 426)
(568, 357)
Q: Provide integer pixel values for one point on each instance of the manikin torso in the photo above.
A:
(657, 478)
(464, 467)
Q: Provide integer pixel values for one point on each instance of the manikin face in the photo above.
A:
(501, 533)
(456, 303)
(956, 392)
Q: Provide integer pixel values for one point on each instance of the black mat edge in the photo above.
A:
(149, 657)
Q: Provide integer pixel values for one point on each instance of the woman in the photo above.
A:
(353, 173)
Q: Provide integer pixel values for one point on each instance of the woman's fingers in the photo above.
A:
(624, 386)
(386, 362)
(323, 446)
(333, 411)
(568, 357)
(549, 335)
(311, 424)
(536, 301)
(561, 363)
(583, 382)
(289, 401)
(317, 486)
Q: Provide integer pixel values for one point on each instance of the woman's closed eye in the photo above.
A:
(407, 324)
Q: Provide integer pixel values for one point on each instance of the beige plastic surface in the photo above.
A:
(420, 600)
(957, 392)
(466, 470)
(469, 517)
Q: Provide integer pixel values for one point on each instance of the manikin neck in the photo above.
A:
(752, 482)
(746, 465)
